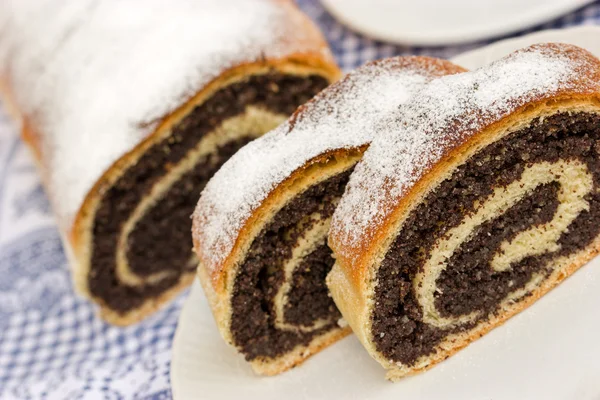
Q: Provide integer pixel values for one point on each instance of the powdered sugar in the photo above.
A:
(94, 76)
(442, 116)
(341, 117)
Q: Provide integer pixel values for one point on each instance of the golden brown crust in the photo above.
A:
(308, 174)
(218, 287)
(84, 219)
(218, 274)
(352, 290)
(286, 66)
(354, 274)
(77, 233)
(424, 65)
(356, 256)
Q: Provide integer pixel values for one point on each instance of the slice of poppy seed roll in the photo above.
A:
(130, 107)
(260, 226)
(484, 196)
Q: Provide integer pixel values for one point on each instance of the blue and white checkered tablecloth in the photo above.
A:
(51, 343)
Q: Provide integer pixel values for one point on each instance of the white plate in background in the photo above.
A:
(444, 22)
(550, 351)
(587, 37)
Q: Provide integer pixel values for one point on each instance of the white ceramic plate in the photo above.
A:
(550, 351)
(587, 37)
(443, 22)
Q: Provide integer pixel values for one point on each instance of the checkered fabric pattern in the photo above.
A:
(51, 344)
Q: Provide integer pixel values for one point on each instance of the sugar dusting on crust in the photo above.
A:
(340, 117)
(95, 76)
(442, 116)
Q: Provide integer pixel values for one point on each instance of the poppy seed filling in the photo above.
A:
(470, 289)
(160, 241)
(254, 325)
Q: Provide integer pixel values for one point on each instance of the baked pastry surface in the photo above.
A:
(260, 226)
(130, 109)
(484, 196)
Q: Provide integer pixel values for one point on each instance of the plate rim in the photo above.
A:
(547, 35)
(540, 15)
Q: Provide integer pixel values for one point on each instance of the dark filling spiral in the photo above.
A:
(468, 284)
(161, 240)
(253, 319)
